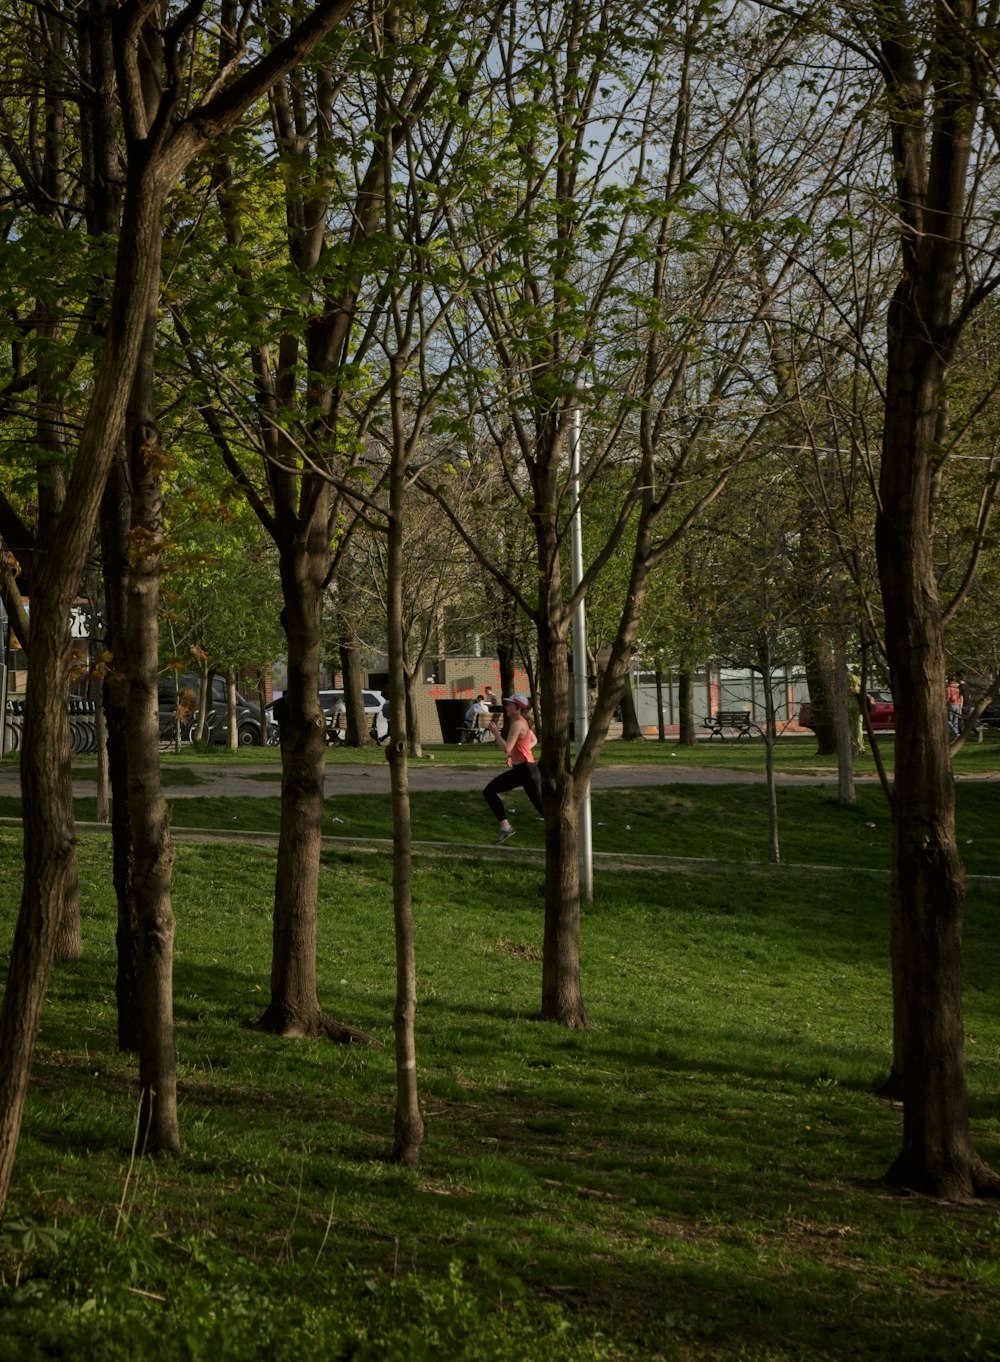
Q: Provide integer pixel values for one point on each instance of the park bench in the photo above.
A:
(738, 719)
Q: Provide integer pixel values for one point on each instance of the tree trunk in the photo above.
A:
(506, 654)
(686, 707)
(232, 727)
(562, 994)
(839, 700)
(102, 809)
(631, 731)
(294, 1006)
(293, 1009)
(51, 419)
(928, 884)
(115, 519)
(661, 728)
(69, 943)
(770, 737)
(200, 723)
(149, 813)
(357, 721)
(413, 732)
(47, 812)
(820, 665)
(408, 1124)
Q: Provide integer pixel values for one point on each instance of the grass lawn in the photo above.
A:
(717, 821)
(695, 1176)
(793, 752)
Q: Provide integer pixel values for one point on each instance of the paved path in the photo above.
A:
(265, 781)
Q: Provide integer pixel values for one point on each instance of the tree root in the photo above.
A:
(974, 1180)
(279, 1021)
(892, 1089)
(330, 1029)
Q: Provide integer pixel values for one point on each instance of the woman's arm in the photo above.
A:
(516, 728)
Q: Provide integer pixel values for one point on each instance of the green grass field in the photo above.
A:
(695, 1176)
(717, 821)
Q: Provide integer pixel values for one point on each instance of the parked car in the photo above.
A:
(332, 702)
(881, 711)
(178, 696)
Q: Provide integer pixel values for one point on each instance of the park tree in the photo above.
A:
(418, 380)
(302, 287)
(169, 117)
(48, 326)
(625, 278)
(284, 269)
(939, 108)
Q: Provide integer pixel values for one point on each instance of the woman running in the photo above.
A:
(521, 772)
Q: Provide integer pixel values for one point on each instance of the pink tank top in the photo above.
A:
(521, 751)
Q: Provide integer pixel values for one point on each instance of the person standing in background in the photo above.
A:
(855, 714)
(954, 695)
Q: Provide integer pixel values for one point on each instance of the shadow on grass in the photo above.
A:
(694, 1177)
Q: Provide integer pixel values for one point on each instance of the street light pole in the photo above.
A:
(581, 716)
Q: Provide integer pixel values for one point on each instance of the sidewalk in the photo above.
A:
(264, 782)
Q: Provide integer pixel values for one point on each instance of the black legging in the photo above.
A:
(523, 776)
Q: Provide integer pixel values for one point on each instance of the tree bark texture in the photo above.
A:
(562, 991)
(357, 723)
(47, 813)
(408, 1122)
(819, 664)
(770, 738)
(149, 813)
(931, 149)
(686, 736)
(51, 417)
(630, 720)
(294, 1008)
(840, 700)
(928, 883)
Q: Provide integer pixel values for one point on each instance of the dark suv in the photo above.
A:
(178, 697)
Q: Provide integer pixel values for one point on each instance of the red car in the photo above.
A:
(881, 711)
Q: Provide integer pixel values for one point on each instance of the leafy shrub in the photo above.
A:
(86, 1293)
